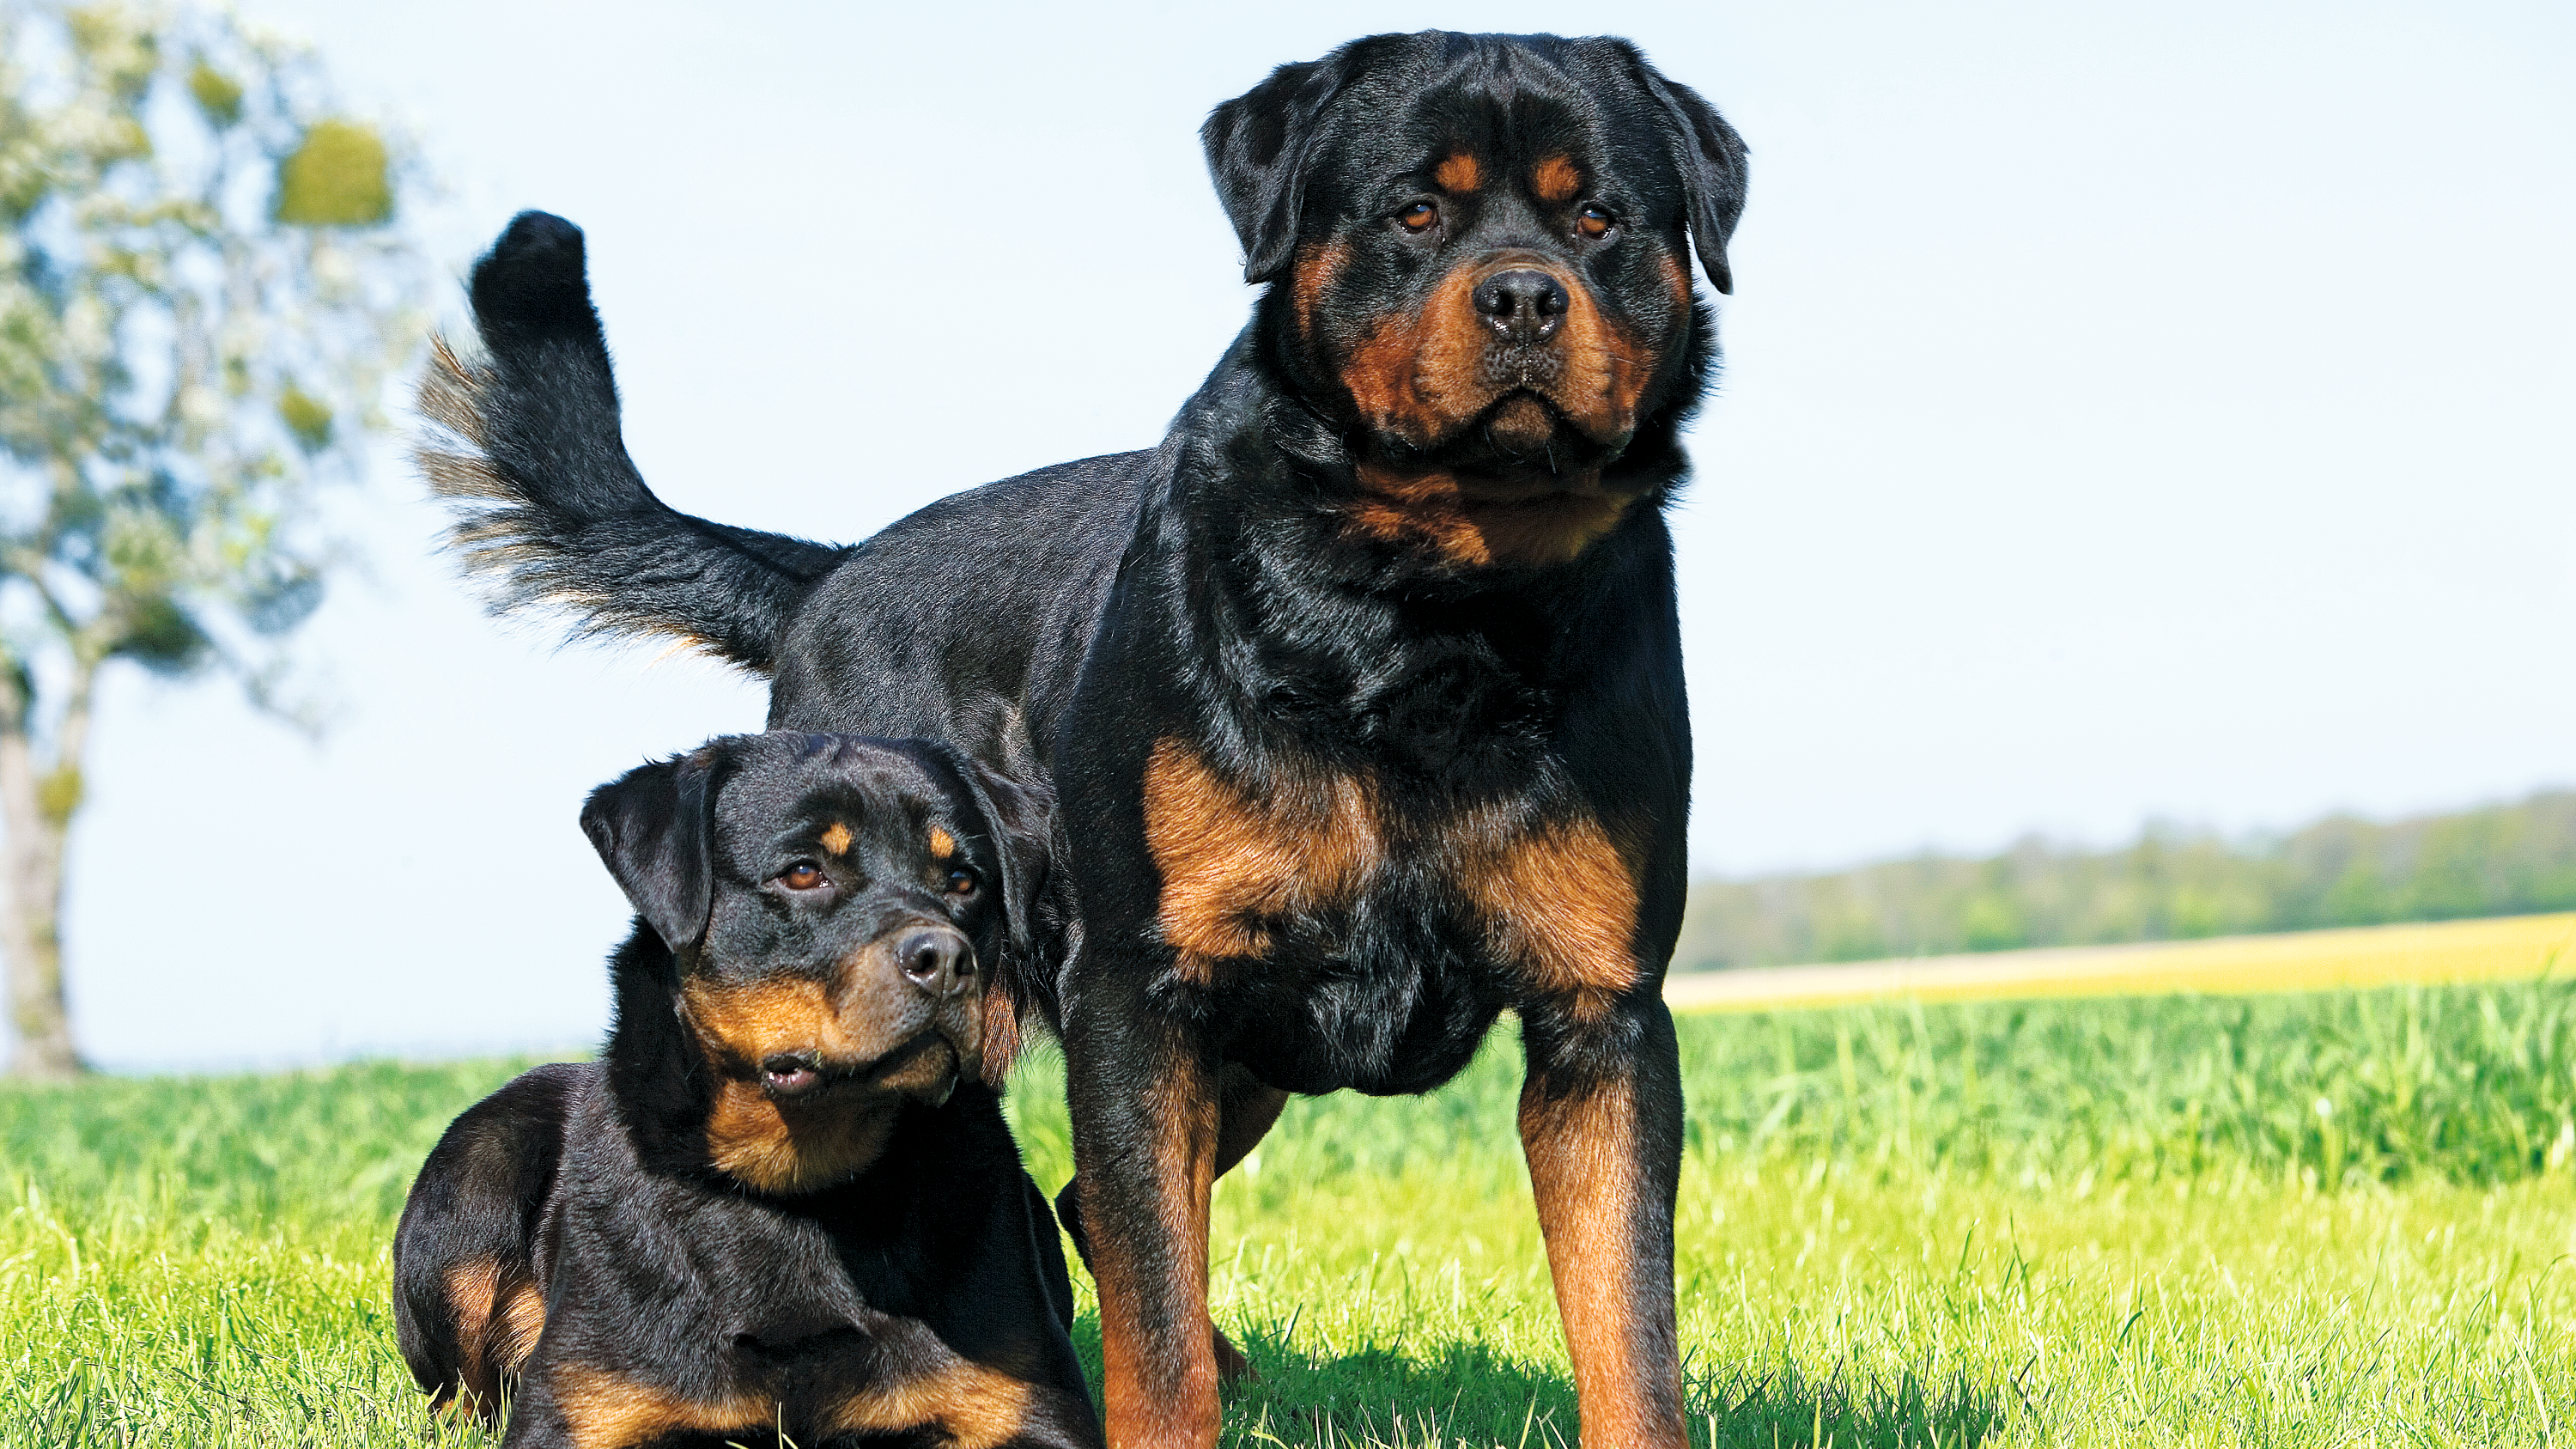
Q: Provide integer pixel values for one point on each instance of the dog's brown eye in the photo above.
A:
(963, 882)
(1593, 222)
(1421, 216)
(804, 875)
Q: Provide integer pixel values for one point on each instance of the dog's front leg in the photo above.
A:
(1601, 1122)
(1144, 1097)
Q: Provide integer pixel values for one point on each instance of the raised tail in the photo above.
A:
(525, 444)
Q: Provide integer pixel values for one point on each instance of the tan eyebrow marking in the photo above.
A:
(837, 838)
(1458, 173)
(941, 842)
(1555, 179)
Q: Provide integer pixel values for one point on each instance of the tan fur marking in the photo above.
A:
(447, 394)
(1607, 368)
(1487, 525)
(1421, 377)
(471, 1287)
(680, 647)
(1588, 1184)
(974, 1406)
(1232, 860)
(783, 1147)
(1318, 263)
(942, 844)
(1562, 901)
(522, 1323)
(498, 1315)
(1458, 173)
(750, 1022)
(1163, 1391)
(778, 1149)
(1412, 374)
(836, 838)
(608, 1410)
(1555, 179)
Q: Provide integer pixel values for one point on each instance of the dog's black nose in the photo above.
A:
(1523, 304)
(936, 959)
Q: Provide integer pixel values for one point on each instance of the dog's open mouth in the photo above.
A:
(922, 1066)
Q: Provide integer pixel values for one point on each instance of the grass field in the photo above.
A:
(2339, 1218)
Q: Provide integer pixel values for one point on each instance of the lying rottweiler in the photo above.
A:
(1361, 695)
(785, 1202)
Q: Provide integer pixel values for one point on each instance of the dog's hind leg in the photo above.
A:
(468, 1306)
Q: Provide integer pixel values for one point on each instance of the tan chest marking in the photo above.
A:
(780, 1149)
(1560, 901)
(1232, 861)
(1471, 532)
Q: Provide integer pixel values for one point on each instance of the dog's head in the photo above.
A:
(1482, 252)
(840, 912)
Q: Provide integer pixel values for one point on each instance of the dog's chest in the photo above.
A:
(1329, 869)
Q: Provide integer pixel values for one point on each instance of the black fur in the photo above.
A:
(550, 506)
(583, 1235)
(1361, 694)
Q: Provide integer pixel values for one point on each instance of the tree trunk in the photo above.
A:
(35, 810)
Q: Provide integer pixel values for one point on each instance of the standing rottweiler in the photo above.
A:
(783, 1207)
(1361, 695)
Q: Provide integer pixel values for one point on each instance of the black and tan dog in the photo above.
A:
(1361, 695)
(784, 1206)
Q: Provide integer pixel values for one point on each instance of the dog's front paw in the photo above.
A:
(532, 280)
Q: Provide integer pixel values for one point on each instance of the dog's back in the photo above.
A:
(467, 1305)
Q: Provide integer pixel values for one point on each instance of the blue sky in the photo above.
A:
(2130, 411)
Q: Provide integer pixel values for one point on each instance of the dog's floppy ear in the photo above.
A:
(1257, 148)
(1711, 158)
(1021, 818)
(651, 827)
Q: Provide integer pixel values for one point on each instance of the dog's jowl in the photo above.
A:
(1361, 695)
(784, 1203)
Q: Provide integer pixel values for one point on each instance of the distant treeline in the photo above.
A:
(2495, 861)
